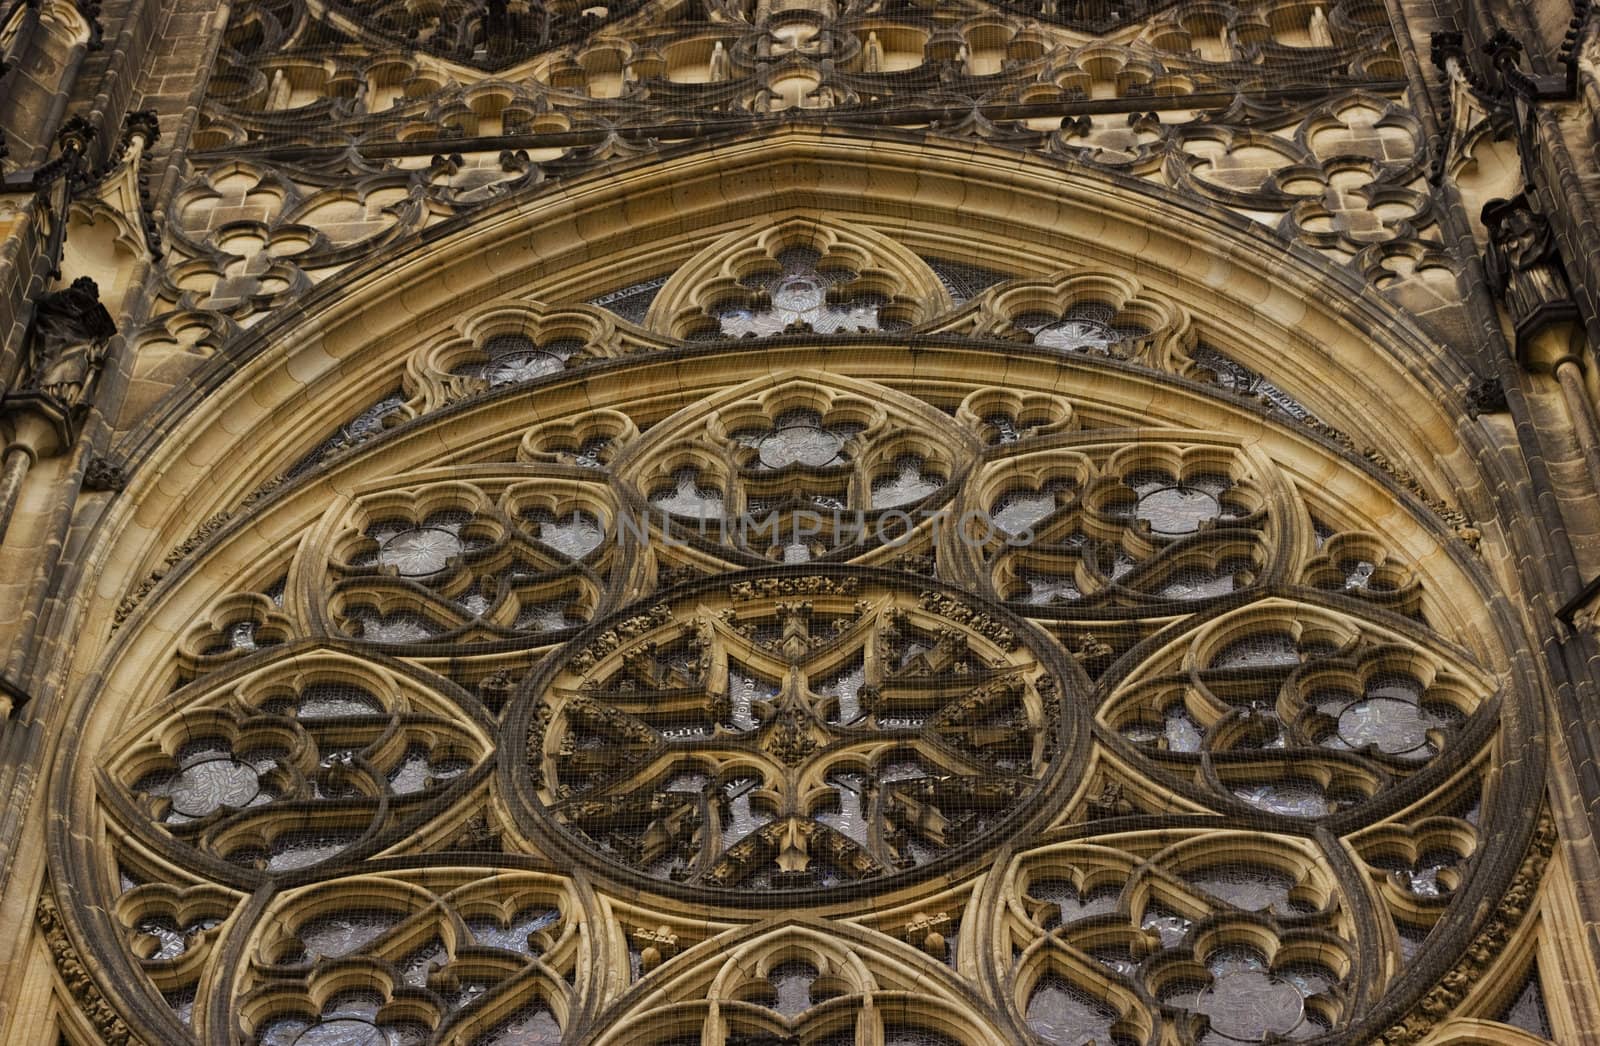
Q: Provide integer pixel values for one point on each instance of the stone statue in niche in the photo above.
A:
(67, 344)
(1321, 35)
(279, 92)
(872, 62)
(721, 64)
(1525, 266)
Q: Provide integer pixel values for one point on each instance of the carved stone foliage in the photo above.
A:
(80, 982)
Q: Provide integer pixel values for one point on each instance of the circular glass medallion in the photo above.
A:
(798, 293)
(343, 1031)
(419, 551)
(1393, 725)
(800, 445)
(1177, 510)
(213, 784)
(1250, 1005)
(522, 366)
(1076, 335)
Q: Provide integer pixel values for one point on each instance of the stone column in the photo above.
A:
(13, 470)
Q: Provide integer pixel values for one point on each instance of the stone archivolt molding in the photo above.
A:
(1052, 248)
(492, 764)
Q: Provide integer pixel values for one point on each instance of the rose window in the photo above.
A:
(1129, 734)
(803, 739)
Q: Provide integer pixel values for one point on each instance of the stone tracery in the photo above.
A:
(834, 721)
(757, 522)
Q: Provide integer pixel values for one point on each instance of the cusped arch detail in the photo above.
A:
(856, 982)
(750, 266)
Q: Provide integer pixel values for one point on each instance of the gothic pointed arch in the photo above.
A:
(1063, 630)
(798, 522)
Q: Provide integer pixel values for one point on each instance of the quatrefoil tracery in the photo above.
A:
(452, 948)
(1298, 713)
(1141, 527)
(466, 563)
(1250, 941)
(275, 775)
(807, 469)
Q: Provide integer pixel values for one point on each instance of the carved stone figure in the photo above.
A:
(1486, 396)
(873, 60)
(721, 64)
(1525, 266)
(1321, 35)
(104, 474)
(279, 91)
(70, 332)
